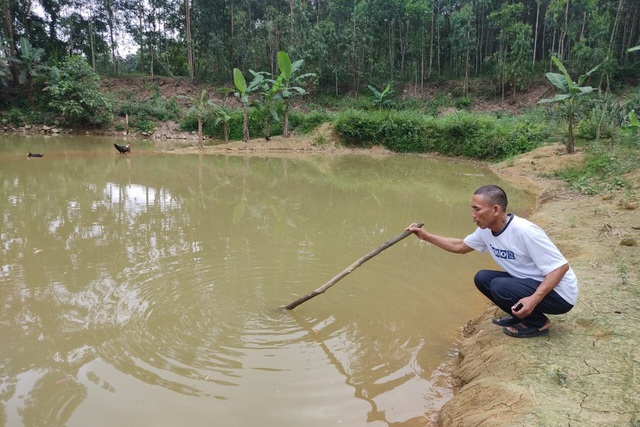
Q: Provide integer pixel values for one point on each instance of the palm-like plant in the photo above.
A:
(200, 105)
(289, 79)
(269, 91)
(572, 96)
(30, 65)
(242, 93)
(223, 116)
(634, 121)
(379, 97)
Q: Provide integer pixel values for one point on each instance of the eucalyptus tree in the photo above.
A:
(514, 37)
(572, 96)
(55, 11)
(107, 11)
(4, 65)
(419, 18)
(463, 39)
(8, 9)
(189, 40)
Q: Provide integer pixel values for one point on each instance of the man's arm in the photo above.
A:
(449, 244)
(549, 282)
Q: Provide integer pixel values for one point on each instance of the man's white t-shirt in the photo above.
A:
(525, 251)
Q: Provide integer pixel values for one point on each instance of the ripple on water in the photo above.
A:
(188, 321)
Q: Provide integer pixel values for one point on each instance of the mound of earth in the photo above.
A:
(586, 372)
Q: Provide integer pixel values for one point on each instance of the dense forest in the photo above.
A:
(402, 63)
(348, 44)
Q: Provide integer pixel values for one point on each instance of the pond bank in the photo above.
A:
(586, 372)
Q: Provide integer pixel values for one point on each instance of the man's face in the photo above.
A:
(483, 214)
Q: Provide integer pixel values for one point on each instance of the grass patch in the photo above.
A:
(605, 166)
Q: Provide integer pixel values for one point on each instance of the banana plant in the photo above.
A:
(242, 93)
(30, 66)
(223, 116)
(379, 97)
(572, 96)
(200, 105)
(288, 89)
(634, 121)
(270, 93)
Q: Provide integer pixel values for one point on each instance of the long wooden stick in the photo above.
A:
(349, 269)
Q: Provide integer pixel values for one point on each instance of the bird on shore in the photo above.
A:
(123, 149)
(34, 154)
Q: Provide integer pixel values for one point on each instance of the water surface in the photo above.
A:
(146, 289)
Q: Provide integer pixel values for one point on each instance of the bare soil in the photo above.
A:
(587, 372)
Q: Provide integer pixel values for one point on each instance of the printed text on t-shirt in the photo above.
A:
(503, 253)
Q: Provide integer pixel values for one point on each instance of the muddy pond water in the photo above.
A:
(147, 289)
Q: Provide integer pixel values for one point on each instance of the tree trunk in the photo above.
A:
(267, 126)
(93, 52)
(570, 143)
(112, 39)
(8, 25)
(285, 130)
(190, 57)
(200, 130)
(433, 25)
(291, 14)
(231, 43)
(615, 26)
(422, 60)
(465, 86)
(392, 32)
(245, 125)
(140, 12)
(535, 33)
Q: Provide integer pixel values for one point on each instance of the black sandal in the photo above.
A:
(505, 320)
(524, 331)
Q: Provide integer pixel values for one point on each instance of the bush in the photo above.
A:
(16, 117)
(75, 93)
(155, 108)
(359, 128)
(461, 134)
(298, 122)
(600, 121)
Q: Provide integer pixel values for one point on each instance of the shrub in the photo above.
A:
(359, 128)
(462, 134)
(16, 117)
(75, 93)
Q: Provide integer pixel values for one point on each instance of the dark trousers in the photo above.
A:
(505, 291)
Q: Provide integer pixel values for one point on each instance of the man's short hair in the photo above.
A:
(494, 195)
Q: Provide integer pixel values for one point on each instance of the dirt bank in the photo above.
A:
(587, 372)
